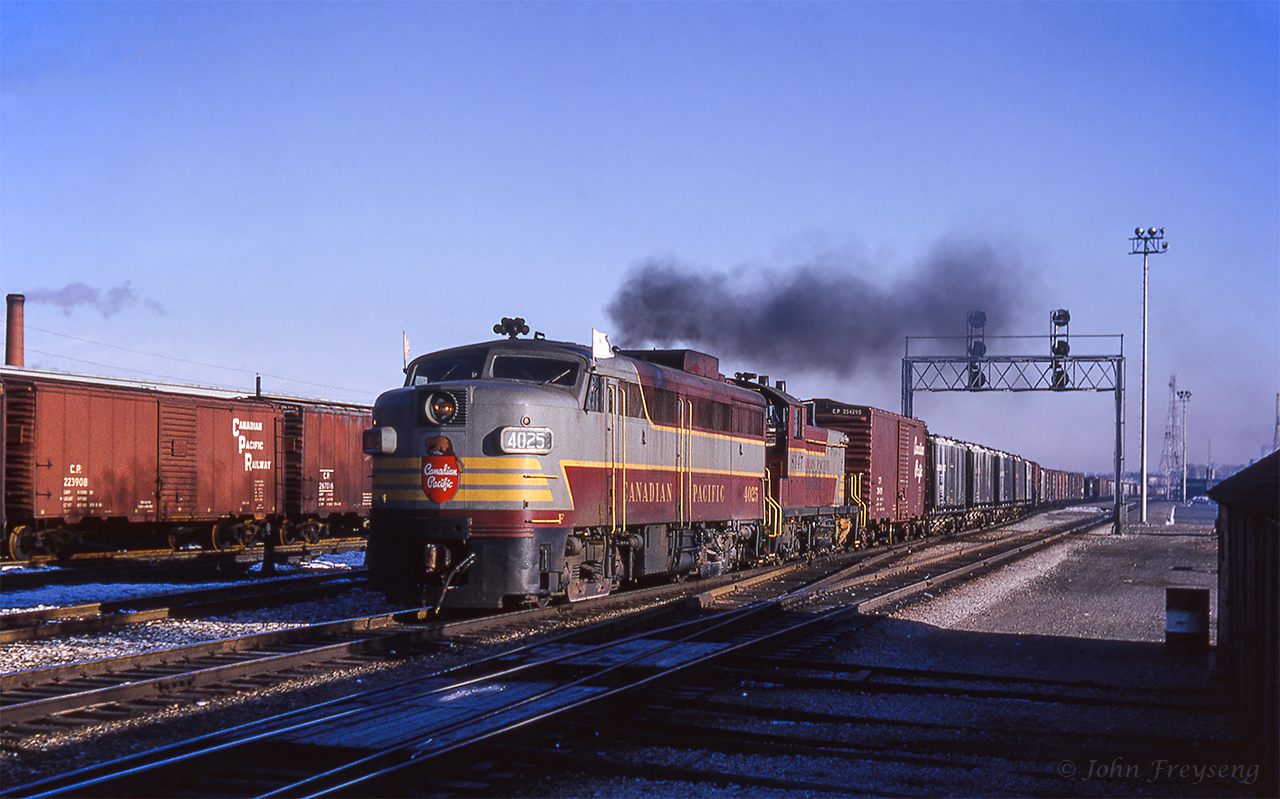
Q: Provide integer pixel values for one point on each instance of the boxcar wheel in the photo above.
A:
(224, 536)
(287, 534)
(23, 543)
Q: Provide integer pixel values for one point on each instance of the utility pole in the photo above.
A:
(1145, 242)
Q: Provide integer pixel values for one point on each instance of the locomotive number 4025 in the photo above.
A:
(525, 440)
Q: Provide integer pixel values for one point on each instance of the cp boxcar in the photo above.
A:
(113, 463)
(886, 461)
(327, 477)
(518, 471)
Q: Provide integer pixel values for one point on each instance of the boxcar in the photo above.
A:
(328, 479)
(886, 456)
(120, 464)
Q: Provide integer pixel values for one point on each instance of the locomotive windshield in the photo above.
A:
(467, 366)
(547, 371)
(471, 365)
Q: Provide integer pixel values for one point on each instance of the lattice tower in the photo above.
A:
(1171, 457)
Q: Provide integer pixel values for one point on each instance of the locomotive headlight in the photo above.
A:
(440, 408)
(380, 440)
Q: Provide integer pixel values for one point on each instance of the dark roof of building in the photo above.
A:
(1256, 488)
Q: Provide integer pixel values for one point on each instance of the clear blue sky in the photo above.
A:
(283, 188)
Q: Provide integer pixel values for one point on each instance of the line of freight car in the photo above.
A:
(104, 463)
(917, 483)
(521, 471)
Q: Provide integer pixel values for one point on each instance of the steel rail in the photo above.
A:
(94, 617)
(417, 754)
(983, 562)
(393, 632)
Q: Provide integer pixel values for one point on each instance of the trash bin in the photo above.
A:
(1186, 621)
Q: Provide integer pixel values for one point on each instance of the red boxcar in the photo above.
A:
(328, 479)
(887, 454)
(128, 463)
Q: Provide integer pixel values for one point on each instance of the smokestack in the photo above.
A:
(13, 346)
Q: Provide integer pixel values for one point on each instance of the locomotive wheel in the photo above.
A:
(23, 543)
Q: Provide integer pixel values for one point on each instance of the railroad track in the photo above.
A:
(156, 565)
(46, 623)
(371, 742)
(92, 692)
(109, 689)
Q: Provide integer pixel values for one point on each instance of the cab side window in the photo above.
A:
(594, 392)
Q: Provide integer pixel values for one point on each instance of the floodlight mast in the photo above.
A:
(1185, 396)
(1145, 243)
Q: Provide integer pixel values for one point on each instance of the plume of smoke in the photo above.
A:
(108, 303)
(818, 317)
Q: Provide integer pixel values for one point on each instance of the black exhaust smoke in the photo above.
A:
(108, 303)
(819, 317)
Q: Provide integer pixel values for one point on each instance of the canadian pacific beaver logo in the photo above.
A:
(440, 470)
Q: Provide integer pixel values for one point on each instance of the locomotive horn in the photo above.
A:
(511, 327)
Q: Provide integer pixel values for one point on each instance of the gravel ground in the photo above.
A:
(48, 754)
(1097, 586)
(167, 633)
(1091, 607)
(1087, 610)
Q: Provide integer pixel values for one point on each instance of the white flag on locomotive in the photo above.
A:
(600, 345)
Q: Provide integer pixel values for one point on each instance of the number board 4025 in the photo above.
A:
(525, 440)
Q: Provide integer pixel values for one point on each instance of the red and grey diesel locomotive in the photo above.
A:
(521, 470)
(518, 471)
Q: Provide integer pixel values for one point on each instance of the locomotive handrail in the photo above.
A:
(773, 510)
(857, 500)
